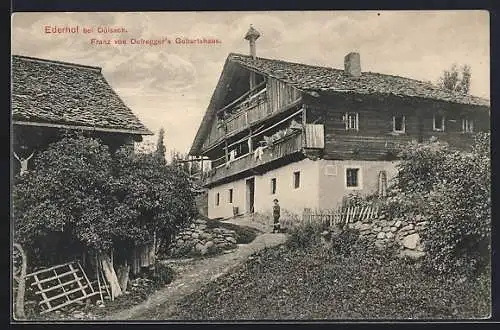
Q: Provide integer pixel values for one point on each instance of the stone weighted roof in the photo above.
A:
(50, 92)
(316, 78)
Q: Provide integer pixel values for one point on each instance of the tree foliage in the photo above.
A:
(160, 144)
(79, 190)
(451, 190)
(456, 79)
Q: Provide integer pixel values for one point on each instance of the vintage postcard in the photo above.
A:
(271, 165)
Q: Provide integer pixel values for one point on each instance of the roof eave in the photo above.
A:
(83, 127)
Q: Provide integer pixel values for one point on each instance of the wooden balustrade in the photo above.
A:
(286, 146)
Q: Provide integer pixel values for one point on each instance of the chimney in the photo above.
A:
(251, 36)
(352, 65)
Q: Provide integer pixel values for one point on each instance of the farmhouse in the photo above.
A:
(51, 97)
(309, 135)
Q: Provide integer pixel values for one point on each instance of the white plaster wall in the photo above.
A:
(225, 209)
(333, 187)
(291, 199)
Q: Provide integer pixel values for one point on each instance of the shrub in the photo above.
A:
(304, 235)
(451, 190)
(458, 235)
(344, 243)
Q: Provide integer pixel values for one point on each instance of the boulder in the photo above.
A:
(397, 224)
(202, 227)
(364, 227)
(200, 221)
(412, 254)
(381, 235)
(407, 227)
(386, 229)
(209, 244)
(195, 235)
(193, 226)
(389, 235)
(200, 248)
(393, 229)
(411, 241)
(231, 240)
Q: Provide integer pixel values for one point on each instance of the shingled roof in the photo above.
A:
(311, 78)
(316, 78)
(60, 94)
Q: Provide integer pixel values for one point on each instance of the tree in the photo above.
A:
(456, 79)
(159, 196)
(160, 145)
(79, 193)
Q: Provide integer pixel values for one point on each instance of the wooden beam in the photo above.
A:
(85, 128)
(285, 108)
(241, 97)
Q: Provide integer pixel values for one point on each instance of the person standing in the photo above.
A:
(276, 216)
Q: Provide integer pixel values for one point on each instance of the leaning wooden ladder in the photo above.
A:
(61, 285)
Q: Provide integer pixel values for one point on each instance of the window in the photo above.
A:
(296, 180)
(230, 195)
(467, 125)
(217, 199)
(352, 121)
(273, 186)
(398, 124)
(352, 177)
(438, 124)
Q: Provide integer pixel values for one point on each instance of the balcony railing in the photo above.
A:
(247, 112)
(286, 146)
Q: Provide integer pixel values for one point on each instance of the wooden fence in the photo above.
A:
(332, 217)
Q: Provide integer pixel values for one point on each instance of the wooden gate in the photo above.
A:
(61, 285)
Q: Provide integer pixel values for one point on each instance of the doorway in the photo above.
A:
(250, 195)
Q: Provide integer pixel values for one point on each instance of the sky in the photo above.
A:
(170, 85)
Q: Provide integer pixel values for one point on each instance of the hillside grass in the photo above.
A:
(313, 282)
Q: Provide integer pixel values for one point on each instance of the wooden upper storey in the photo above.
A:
(365, 117)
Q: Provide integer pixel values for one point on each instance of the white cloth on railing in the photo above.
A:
(257, 155)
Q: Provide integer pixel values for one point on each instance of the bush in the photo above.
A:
(458, 235)
(450, 190)
(304, 235)
(344, 243)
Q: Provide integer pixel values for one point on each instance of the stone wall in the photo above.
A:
(384, 232)
(200, 239)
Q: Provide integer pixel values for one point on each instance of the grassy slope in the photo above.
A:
(283, 283)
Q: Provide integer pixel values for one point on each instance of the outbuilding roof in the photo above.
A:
(61, 94)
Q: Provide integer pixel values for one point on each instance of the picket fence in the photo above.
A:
(332, 217)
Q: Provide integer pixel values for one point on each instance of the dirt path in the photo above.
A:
(193, 276)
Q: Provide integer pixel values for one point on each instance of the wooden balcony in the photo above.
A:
(287, 146)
